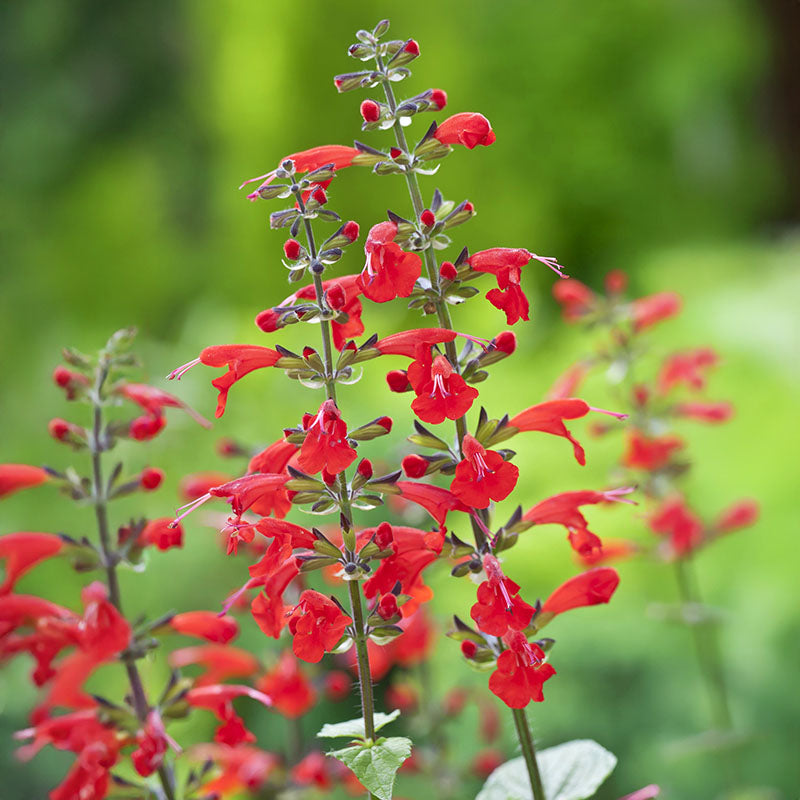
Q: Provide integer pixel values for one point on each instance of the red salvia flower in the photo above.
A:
(316, 625)
(337, 685)
(23, 551)
(267, 608)
(313, 770)
(521, 672)
(153, 402)
(674, 519)
(650, 452)
(219, 701)
(407, 343)
(567, 384)
(647, 311)
(14, 477)
(291, 691)
(548, 417)
(162, 533)
(325, 445)
(243, 768)
(152, 741)
(219, 661)
(438, 502)
(307, 160)
(739, 515)
(441, 392)
(390, 271)
(686, 368)
(240, 359)
(206, 625)
(499, 605)
(587, 589)
(483, 475)
(467, 128)
(705, 412)
(197, 484)
(576, 298)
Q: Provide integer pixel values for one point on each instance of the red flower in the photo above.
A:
(151, 478)
(337, 685)
(162, 533)
(441, 391)
(317, 625)
(152, 744)
(521, 672)
(23, 551)
(687, 368)
(194, 486)
(220, 662)
(291, 691)
(674, 519)
(467, 128)
(14, 477)
(576, 298)
(609, 550)
(240, 359)
(650, 453)
(568, 382)
(219, 701)
(647, 311)
(267, 608)
(206, 625)
(499, 605)
(407, 343)
(705, 412)
(483, 475)
(434, 499)
(487, 761)
(153, 402)
(325, 446)
(307, 160)
(390, 271)
(587, 589)
(548, 417)
(243, 768)
(739, 515)
(313, 770)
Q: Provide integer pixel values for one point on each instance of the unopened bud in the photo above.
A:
(59, 428)
(398, 380)
(350, 230)
(384, 536)
(328, 478)
(337, 685)
(395, 152)
(387, 606)
(292, 249)
(62, 376)
(151, 478)
(227, 448)
(370, 111)
(365, 468)
(641, 394)
(319, 195)
(448, 271)
(335, 297)
(146, 427)
(384, 422)
(506, 342)
(415, 466)
(427, 218)
(439, 98)
(308, 352)
(469, 648)
(411, 47)
(616, 281)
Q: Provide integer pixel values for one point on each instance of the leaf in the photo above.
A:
(376, 765)
(354, 728)
(570, 771)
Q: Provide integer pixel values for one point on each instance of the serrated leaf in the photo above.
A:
(570, 771)
(376, 766)
(354, 728)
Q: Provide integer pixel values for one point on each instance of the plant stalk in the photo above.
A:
(528, 752)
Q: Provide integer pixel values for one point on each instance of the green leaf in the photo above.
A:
(354, 728)
(570, 771)
(376, 765)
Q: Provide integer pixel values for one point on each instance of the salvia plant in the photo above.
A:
(347, 593)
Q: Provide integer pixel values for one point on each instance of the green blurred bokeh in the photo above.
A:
(630, 135)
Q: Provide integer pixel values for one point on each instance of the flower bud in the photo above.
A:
(402, 696)
(328, 478)
(227, 448)
(427, 218)
(308, 352)
(292, 249)
(415, 466)
(337, 685)
(641, 394)
(146, 427)
(384, 536)
(370, 111)
(739, 515)
(454, 701)
(387, 606)
(395, 152)
(616, 282)
(364, 468)
(439, 98)
(411, 47)
(506, 342)
(384, 422)
(350, 230)
(151, 478)
(319, 195)
(448, 271)
(468, 648)
(59, 428)
(335, 297)
(398, 380)
(486, 762)
(70, 382)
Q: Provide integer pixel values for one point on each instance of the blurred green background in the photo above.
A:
(656, 137)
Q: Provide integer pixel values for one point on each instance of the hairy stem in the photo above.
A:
(528, 752)
(110, 559)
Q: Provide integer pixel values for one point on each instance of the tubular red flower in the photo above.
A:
(325, 445)
(267, 608)
(162, 534)
(705, 412)
(576, 298)
(23, 551)
(548, 417)
(153, 401)
(197, 484)
(441, 392)
(206, 625)
(220, 661)
(499, 606)
(293, 694)
(406, 343)
(650, 453)
(739, 515)
(686, 368)
(219, 701)
(438, 502)
(483, 475)
(316, 625)
(467, 128)
(152, 741)
(521, 672)
(14, 477)
(390, 272)
(587, 589)
(683, 527)
(647, 311)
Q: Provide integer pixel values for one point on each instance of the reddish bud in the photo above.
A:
(336, 297)
(486, 762)
(292, 249)
(59, 428)
(616, 282)
(739, 515)
(319, 195)
(411, 47)
(427, 218)
(337, 685)
(448, 271)
(641, 394)
(505, 342)
(62, 376)
(350, 231)
(387, 606)
(385, 423)
(395, 152)
(308, 352)
(227, 448)
(364, 468)
(415, 466)
(146, 427)
(402, 696)
(439, 98)
(398, 380)
(370, 111)
(328, 478)
(454, 701)
(469, 648)
(384, 536)
(151, 478)
(469, 208)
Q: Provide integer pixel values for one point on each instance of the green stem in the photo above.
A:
(110, 560)
(528, 752)
(707, 648)
(364, 677)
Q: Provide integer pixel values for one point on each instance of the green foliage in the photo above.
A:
(376, 764)
(354, 728)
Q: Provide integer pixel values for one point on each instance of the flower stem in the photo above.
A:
(528, 752)
(364, 677)
(110, 559)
